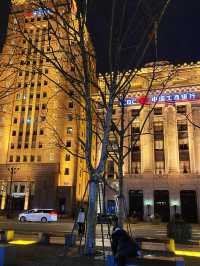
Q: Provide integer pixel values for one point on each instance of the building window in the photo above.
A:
(45, 82)
(15, 120)
(15, 189)
(41, 132)
(181, 109)
(11, 158)
(69, 130)
(44, 94)
(135, 112)
(40, 145)
(26, 145)
(32, 158)
(69, 117)
(44, 106)
(66, 171)
(71, 105)
(17, 158)
(67, 157)
(110, 169)
(16, 108)
(19, 145)
(25, 158)
(12, 145)
(14, 133)
(157, 111)
(39, 158)
(68, 144)
(22, 189)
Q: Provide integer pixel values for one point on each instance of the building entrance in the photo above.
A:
(136, 206)
(161, 204)
(189, 206)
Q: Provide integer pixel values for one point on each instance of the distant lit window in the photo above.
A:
(69, 130)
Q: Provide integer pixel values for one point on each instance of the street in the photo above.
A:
(61, 227)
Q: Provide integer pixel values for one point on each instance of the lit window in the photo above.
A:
(69, 130)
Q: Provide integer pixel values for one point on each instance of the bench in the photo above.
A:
(44, 238)
(6, 235)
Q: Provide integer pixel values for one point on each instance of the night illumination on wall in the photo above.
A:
(169, 98)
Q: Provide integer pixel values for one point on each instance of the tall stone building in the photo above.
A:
(36, 115)
(162, 172)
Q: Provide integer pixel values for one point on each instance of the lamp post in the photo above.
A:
(12, 171)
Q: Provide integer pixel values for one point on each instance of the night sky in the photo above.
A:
(178, 37)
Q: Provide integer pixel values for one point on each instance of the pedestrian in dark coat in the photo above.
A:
(123, 246)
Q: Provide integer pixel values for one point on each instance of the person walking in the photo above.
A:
(81, 222)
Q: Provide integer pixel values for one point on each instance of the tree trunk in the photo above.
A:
(91, 219)
(121, 206)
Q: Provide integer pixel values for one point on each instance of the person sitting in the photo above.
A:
(123, 246)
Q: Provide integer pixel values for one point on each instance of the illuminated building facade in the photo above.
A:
(162, 173)
(34, 171)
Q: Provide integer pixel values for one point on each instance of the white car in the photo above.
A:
(38, 215)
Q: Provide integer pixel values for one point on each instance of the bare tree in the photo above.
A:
(71, 56)
(121, 130)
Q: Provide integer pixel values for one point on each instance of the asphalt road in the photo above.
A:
(61, 227)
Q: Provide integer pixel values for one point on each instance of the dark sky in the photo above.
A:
(178, 38)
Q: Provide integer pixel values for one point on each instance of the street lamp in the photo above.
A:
(12, 171)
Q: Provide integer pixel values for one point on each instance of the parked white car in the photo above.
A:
(38, 215)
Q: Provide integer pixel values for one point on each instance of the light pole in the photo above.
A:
(12, 171)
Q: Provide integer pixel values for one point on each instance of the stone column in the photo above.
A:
(191, 141)
(3, 200)
(26, 200)
(126, 165)
(147, 149)
(196, 120)
(171, 141)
